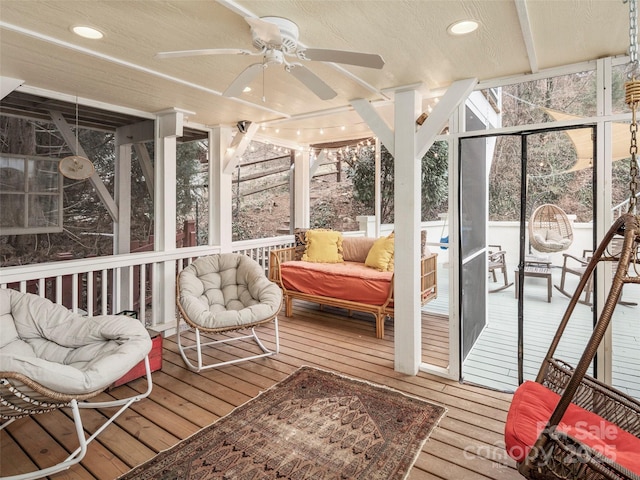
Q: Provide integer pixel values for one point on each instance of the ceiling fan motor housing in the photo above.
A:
(288, 30)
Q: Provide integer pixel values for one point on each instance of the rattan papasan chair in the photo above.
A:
(52, 358)
(222, 293)
(550, 229)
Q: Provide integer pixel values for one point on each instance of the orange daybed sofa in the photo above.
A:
(346, 283)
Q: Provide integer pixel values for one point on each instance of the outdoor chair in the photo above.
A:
(52, 358)
(497, 262)
(577, 265)
(223, 293)
(573, 265)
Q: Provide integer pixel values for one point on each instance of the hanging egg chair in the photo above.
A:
(550, 229)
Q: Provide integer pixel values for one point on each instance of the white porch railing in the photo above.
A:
(621, 208)
(104, 285)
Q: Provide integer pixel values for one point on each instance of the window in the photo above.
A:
(30, 195)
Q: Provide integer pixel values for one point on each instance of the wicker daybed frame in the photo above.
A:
(428, 289)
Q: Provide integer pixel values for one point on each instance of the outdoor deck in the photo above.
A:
(466, 445)
(493, 360)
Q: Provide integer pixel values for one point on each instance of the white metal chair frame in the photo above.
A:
(30, 406)
(198, 345)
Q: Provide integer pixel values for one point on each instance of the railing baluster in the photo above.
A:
(90, 277)
(74, 293)
(58, 281)
(142, 286)
(104, 300)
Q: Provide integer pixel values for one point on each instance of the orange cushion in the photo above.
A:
(531, 408)
(346, 281)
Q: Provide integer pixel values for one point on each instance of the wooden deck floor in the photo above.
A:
(466, 445)
(492, 361)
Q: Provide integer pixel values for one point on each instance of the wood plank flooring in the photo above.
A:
(466, 445)
(493, 361)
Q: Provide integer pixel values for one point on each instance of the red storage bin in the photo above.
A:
(155, 361)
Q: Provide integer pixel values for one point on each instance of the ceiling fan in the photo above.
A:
(276, 38)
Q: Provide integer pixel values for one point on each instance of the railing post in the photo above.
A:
(367, 223)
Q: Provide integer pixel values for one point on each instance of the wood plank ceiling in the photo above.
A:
(514, 37)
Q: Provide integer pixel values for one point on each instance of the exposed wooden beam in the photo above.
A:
(375, 122)
(432, 126)
(237, 147)
(8, 85)
(77, 149)
(527, 35)
(146, 165)
(340, 143)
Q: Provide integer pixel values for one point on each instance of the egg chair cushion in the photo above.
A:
(63, 351)
(227, 291)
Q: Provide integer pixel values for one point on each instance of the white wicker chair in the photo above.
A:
(52, 358)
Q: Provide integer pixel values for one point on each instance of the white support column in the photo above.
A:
(377, 192)
(407, 200)
(122, 228)
(168, 127)
(124, 137)
(220, 190)
(122, 193)
(301, 189)
(603, 202)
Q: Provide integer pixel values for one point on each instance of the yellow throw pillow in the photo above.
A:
(380, 256)
(323, 246)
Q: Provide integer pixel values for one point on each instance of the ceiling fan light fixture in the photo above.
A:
(462, 27)
(86, 31)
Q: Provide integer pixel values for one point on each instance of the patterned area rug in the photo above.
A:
(314, 424)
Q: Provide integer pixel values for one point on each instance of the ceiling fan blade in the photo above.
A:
(312, 81)
(268, 32)
(369, 60)
(242, 80)
(205, 51)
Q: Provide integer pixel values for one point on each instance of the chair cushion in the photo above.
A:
(64, 351)
(531, 408)
(227, 291)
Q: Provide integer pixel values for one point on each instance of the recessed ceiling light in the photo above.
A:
(87, 32)
(246, 89)
(462, 27)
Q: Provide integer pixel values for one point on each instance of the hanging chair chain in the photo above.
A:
(632, 95)
(633, 32)
(632, 98)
